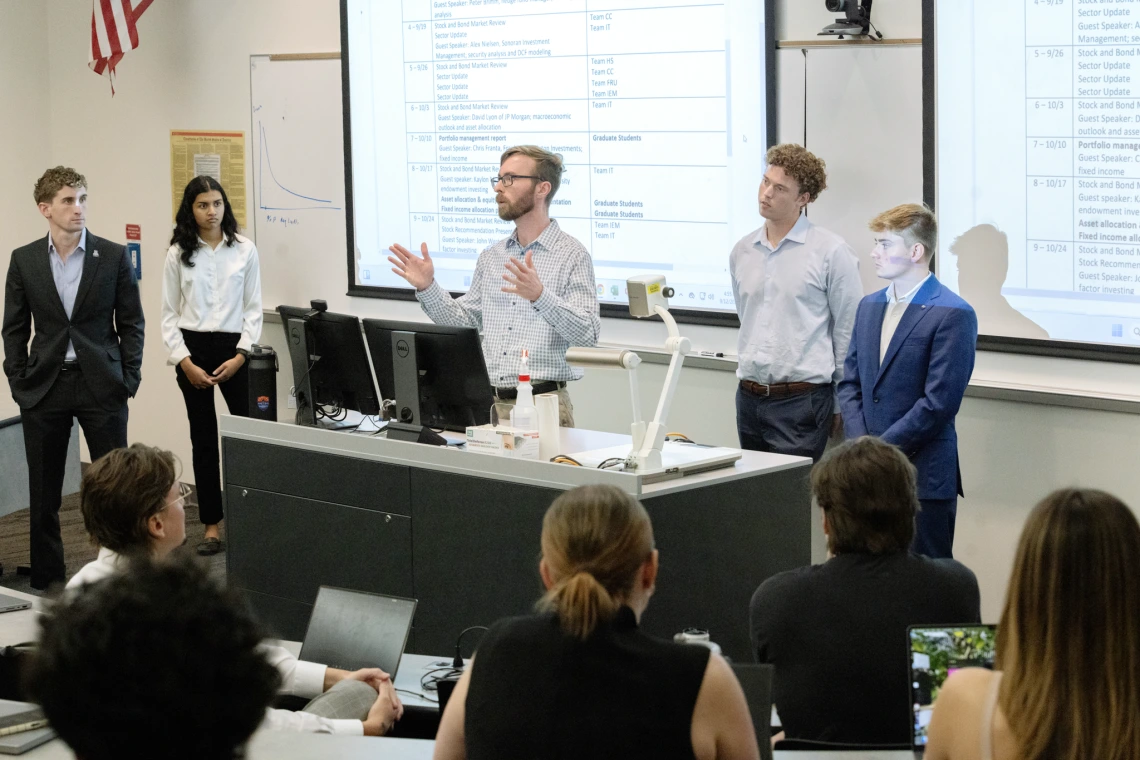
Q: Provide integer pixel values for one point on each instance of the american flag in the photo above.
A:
(113, 33)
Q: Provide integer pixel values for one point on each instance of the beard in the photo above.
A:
(513, 211)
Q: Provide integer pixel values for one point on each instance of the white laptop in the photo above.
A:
(11, 603)
(15, 744)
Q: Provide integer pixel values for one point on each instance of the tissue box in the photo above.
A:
(504, 441)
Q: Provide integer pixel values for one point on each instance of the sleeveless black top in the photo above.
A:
(536, 693)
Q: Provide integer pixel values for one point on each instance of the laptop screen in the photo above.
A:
(935, 653)
(356, 629)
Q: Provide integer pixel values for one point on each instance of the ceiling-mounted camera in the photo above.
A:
(856, 18)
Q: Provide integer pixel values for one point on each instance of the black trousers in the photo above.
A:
(934, 528)
(47, 433)
(208, 351)
(797, 425)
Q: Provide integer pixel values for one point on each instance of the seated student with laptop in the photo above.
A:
(580, 679)
(132, 505)
(1067, 678)
(837, 632)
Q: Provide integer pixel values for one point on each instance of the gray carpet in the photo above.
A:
(77, 547)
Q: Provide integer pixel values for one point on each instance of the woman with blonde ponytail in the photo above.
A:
(1067, 678)
(580, 679)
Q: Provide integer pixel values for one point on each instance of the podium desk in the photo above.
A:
(459, 530)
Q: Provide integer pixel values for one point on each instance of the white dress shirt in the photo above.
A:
(298, 677)
(797, 302)
(106, 563)
(220, 293)
(896, 307)
(566, 314)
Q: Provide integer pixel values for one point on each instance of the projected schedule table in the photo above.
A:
(1082, 87)
(640, 120)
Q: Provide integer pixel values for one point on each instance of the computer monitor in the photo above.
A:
(436, 374)
(330, 365)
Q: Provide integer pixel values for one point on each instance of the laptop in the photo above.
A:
(11, 603)
(935, 653)
(16, 744)
(756, 682)
(356, 629)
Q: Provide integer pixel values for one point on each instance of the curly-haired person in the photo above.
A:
(796, 287)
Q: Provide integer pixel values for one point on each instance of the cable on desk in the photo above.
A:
(429, 681)
(611, 462)
(678, 437)
(424, 697)
(563, 459)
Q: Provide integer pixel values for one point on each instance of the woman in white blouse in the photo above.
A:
(211, 317)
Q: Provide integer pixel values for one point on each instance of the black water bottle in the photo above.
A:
(262, 383)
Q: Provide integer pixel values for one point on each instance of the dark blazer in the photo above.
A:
(106, 324)
(912, 399)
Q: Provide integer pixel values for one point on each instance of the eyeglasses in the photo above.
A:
(509, 179)
(183, 492)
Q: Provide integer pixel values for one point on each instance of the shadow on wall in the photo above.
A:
(983, 261)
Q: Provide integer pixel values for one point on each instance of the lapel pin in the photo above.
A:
(95, 253)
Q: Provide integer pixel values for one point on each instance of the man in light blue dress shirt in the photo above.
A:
(796, 287)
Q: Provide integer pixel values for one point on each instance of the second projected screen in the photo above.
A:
(657, 108)
(1038, 161)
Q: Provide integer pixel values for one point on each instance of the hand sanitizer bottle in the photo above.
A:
(524, 415)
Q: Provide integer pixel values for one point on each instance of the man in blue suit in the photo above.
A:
(907, 367)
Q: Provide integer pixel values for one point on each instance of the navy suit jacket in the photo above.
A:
(912, 398)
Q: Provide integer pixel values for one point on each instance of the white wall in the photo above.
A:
(192, 72)
(23, 136)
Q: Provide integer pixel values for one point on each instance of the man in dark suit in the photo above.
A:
(86, 357)
(908, 364)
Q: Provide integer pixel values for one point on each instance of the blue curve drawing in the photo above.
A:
(263, 155)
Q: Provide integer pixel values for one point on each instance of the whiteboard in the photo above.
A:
(297, 174)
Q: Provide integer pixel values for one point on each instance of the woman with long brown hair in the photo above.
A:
(580, 679)
(211, 317)
(1067, 678)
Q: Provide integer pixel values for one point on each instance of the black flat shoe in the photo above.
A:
(210, 547)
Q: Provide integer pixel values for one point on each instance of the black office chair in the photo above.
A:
(756, 681)
(810, 745)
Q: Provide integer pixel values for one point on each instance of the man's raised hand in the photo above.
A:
(418, 271)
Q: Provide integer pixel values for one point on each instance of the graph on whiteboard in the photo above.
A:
(272, 195)
(296, 156)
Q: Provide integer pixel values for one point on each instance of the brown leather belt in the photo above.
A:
(544, 386)
(777, 390)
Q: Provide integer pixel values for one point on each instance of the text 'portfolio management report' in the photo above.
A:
(637, 101)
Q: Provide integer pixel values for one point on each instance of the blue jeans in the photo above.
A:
(798, 425)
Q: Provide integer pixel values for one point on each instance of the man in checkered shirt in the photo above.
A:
(532, 290)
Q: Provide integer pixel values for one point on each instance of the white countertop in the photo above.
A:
(475, 464)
